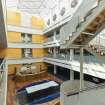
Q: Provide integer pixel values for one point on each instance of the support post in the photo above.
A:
(55, 70)
(71, 54)
(54, 50)
(71, 58)
(71, 75)
(54, 35)
(81, 69)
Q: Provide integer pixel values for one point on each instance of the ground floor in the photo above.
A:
(15, 83)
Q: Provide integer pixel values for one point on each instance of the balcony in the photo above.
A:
(24, 29)
(25, 42)
(52, 41)
(91, 65)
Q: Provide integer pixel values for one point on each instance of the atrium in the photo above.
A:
(52, 52)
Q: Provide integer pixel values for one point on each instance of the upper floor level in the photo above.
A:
(16, 18)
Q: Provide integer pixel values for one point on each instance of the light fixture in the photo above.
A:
(74, 3)
(62, 12)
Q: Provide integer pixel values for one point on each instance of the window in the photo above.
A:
(27, 52)
(26, 38)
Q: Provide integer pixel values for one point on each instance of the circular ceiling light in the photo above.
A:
(62, 12)
(74, 3)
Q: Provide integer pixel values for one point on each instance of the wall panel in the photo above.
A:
(13, 18)
(14, 37)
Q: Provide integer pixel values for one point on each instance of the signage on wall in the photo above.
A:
(74, 3)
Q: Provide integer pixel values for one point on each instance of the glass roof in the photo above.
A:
(41, 7)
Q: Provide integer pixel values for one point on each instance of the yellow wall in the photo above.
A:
(14, 37)
(13, 53)
(40, 66)
(37, 23)
(11, 68)
(38, 52)
(38, 38)
(13, 18)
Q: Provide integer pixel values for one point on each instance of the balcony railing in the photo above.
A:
(87, 58)
(52, 38)
(99, 40)
(98, 43)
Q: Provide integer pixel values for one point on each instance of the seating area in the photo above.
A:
(39, 96)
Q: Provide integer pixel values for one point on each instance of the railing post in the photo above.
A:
(81, 69)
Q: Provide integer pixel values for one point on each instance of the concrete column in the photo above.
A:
(71, 75)
(71, 54)
(54, 50)
(55, 69)
(81, 69)
(54, 35)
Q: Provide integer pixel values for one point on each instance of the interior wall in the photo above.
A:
(14, 37)
(37, 23)
(13, 53)
(38, 52)
(38, 38)
(13, 18)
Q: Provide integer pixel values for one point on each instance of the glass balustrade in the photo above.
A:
(87, 58)
(51, 39)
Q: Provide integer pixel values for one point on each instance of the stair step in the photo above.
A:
(87, 33)
(91, 28)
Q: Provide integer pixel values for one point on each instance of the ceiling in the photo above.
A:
(40, 7)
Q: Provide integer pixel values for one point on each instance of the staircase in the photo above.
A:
(97, 46)
(85, 25)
